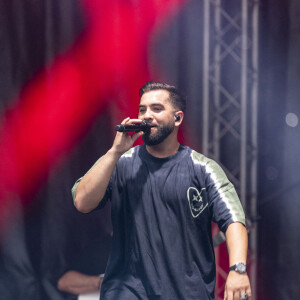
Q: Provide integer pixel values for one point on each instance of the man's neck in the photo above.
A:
(164, 149)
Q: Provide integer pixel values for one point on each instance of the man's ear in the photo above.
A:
(179, 116)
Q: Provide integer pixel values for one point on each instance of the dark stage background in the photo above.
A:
(69, 71)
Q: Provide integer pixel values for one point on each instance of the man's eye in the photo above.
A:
(141, 111)
(157, 108)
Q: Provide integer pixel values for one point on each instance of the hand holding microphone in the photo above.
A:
(123, 142)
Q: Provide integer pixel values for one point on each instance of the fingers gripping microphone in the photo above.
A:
(133, 127)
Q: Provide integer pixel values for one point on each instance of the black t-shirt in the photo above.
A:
(162, 210)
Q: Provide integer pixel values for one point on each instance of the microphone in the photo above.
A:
(133, 127)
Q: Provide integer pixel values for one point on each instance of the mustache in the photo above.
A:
(151, 124)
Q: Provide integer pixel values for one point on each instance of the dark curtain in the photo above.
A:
(279, 148)
(44, 235)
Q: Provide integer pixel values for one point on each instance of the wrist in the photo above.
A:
(114, 153)
(239, 267)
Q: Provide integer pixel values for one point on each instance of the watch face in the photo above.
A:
(241, 268)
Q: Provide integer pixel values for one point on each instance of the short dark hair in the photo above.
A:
(175, 97)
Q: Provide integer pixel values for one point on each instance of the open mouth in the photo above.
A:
(149, 128)
(151, 125)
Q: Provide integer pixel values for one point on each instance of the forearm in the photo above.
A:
(237, 284)
(93, 185)
(237, 243)
(77, 283)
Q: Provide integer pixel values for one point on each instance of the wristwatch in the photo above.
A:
(239, 267)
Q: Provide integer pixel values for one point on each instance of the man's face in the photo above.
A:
(156, 109)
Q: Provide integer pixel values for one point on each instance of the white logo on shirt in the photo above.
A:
(195, 201)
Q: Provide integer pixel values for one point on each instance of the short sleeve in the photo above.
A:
(224, 202)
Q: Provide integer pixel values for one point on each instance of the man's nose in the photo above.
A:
(148, 115)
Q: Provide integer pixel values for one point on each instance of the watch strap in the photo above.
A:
(232, 268)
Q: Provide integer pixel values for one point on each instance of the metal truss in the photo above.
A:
(230, 91)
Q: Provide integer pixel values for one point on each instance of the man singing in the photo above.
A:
(164, 196)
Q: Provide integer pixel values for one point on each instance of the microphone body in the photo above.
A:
(133, 127)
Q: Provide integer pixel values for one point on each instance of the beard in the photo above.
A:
(162, 132)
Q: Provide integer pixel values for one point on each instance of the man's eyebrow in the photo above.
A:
(156, 104)
(152, 105)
